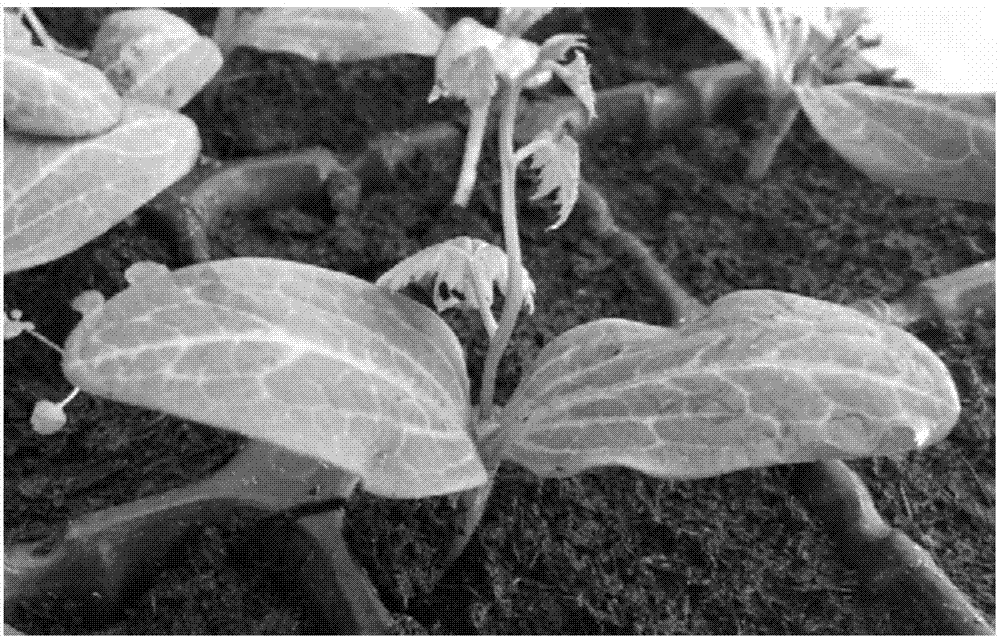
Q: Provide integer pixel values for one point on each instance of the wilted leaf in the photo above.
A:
(48, 93)
(319, 362)
(154, 56)
(16, 34)
(558, 159)
(60, 194)
(330, 34)
(927, 144)
(467, 267)
(763, 378)
(516, 20)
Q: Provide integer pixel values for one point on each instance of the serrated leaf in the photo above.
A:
(516, 20)
(60, 194)
(16, 33)
(48, 93)
(331, 34)
(935, 145)
(763, 378)
(322, 363)
(558, 159)
(467, 267)
(154, 56)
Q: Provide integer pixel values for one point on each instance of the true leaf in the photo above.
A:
(558, 161)
(330, 34)
(763, 378)
(60, 194)
(468, 268)
(154, 56)
(48, 93)
(319, 362)
(928, 144)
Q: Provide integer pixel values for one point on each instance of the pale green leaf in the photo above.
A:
(468, 268)
(935, 145)
(330, 34)
(60, 194)
(154, 56)
(51, 94)
(322, 363)
(516, 20)
(470, 77)
(763, 378)
(558, 162)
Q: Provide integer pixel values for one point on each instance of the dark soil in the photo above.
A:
(611, 551)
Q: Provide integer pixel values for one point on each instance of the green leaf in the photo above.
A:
(515, 21)
(153, 56)
(935, 145)
(763, 378)
(60, 194)
(322, 363)
(470, 77)
(330, 34)
(558, 159)
(468, 268)
(51, 94)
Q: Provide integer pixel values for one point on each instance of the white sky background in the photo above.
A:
(939, 48)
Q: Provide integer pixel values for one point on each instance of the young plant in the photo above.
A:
(922, 143)
(367, 380)
(474, 60)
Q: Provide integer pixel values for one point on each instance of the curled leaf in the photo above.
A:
(319, 362)
(51, 94)
(154, 56)
(558, 161)
(60, 194)
(509, 58)
(763, 378)
(936, 145)
(467, 268)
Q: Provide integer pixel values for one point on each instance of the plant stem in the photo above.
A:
(514, 297)
(36, 25)
(470, 159)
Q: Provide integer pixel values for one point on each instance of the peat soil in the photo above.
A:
(611, 551)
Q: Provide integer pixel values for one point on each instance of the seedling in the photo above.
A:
(475, 60)
(944, 145)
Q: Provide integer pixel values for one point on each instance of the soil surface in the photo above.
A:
(611, 551)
